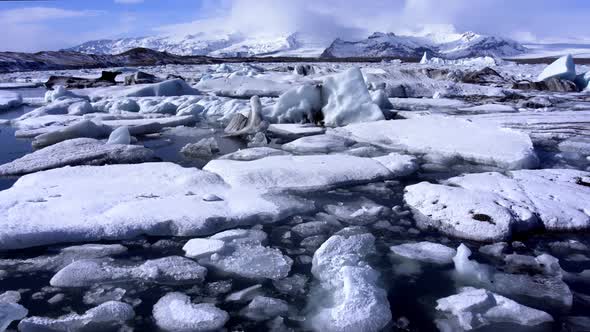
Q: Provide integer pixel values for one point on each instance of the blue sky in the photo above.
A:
(51, 25)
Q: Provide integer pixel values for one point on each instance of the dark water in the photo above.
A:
(12, 148)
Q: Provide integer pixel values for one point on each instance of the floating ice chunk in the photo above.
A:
(359, 303)
(84, 128)
(79, 151)
(104, 316)
(318, 144)
(175, 312)
(9, 100)
(290, 130)
(80, 108)
(167, 270)
(103, 294)
(254, 153)
(562, 68)
(380, 99)
(167, 202)
(453, 139)
(475, 308)
(244, 86)
(197, 248)
(251, 261)
(346, 99)
(425, 252)
(152, 106)
(9, 312)
(194, 110)
(302, 173)
(204, 148)
(488, 108)
(10, 297)
(245, 294)
(401, 165)
(176, 87)
(362, 211)
(470, 269)
(460, 212)
(264, 308)
(294, 285)
(297, 104)
(120, 136)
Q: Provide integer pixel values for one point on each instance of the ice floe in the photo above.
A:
(74, 152)
(61, 205)
(449, 138)
(427, 252)
(563, 68)
(359, 304)
(317, 144)
(176, 312)
(9, 100)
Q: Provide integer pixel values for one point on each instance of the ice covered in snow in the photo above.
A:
(197, 248)
(10, 311)
(300, 173)
(61, 205)
(448, 138)
(245, 255)
(317, 144)
(9, 99)
(478, 61)
(491, 206)
(84, 128)
(175, 87)
(74, 152)
(59, 92)
(294, 129)
(297, 104)
(475, 308)
(204, 148)
(105, 316)
(359, 304)
(428, 252)
(167, 270)
(176, 312)
(489, 108)
(346, 99)
(563, 68)
(120, 136)
(254, 153)
(244, 86)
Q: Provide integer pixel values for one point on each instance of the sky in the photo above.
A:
(55, 24)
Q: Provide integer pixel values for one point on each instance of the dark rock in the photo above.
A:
(107, 78)
(484, 76)
(174, 77)
(550, 84)
(141, 78)
(304, 70)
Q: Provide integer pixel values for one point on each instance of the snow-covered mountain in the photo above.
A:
(222, 45)
(454, 46)
(450, 45)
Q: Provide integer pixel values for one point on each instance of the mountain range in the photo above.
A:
(379, 44)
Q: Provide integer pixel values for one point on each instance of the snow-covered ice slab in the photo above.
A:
(9, 312)
(492, 206)
(294, 129)
(241, 253)
(563, 68)
(176, 312)
(62, 205)
(359, 304)
(448, 138)
(300, 173)
(167, 270)
(318, 144)
(254, 153)
(427, 252)
(176, 87)
(75, 152)
(9, 99)
(475, 308)
(104, 316)
(243, 86)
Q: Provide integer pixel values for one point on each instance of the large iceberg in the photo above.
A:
(62, 205)
(562, 68)
(346, 99)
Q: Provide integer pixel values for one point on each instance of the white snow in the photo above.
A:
(89, 272)
(301, 173)
(562, 68)
(105, 315)
(489, 108)
(475, 308)
(9, 100)
(254, 153)
(62, 205)
(317, 144)
(448, 138)
(9, 312)
(175, 87)
(346, 99)
(294, 129)
(74, 152)
(428, 252)
(359, 304)
(197, 248)
(84, 128)
(176, 312)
